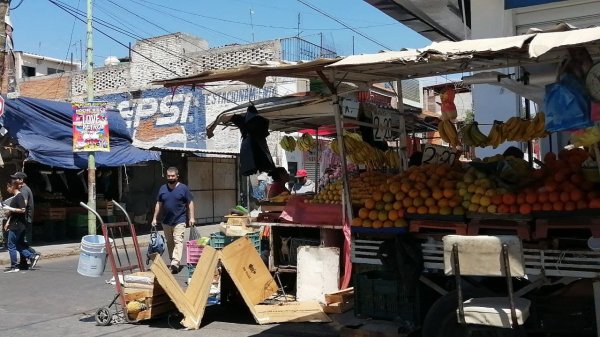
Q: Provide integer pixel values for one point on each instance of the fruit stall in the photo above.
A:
(396, 221)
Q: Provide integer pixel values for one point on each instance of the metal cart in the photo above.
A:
(122, 260)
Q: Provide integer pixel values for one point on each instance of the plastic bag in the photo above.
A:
(567, 105)
(156, 245)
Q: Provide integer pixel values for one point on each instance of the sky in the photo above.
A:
(43, 28)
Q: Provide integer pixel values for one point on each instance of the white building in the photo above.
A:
(30, 65)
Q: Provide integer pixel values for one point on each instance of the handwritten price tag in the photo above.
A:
(437, 154)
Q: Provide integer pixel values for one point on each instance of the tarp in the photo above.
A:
(44, 128)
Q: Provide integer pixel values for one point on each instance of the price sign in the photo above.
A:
(350, 108)
(437, 154)
(382, 123)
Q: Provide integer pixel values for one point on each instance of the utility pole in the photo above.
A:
(90, 98)
(3, 11)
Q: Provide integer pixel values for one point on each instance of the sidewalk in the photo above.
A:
(50, 251)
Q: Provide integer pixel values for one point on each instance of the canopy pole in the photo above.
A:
(346, 198)
(317, 165)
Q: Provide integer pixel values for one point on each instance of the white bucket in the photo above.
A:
(92, 258)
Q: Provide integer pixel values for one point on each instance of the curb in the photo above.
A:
(63, 252)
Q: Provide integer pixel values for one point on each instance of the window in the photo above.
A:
(28, 71)
(54, 71)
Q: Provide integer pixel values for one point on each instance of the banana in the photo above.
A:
(478, 137)
(466, 135)
(495, 135)
(442, 131)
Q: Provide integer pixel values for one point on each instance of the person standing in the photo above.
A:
(20, 177)
(15, 226)
(177, 205)
(280, 178)
(303, 184)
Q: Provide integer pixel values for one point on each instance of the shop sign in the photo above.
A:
(437, 154)
(382, 124)
(90, 127)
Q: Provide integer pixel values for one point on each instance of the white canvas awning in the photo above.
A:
(436, 59)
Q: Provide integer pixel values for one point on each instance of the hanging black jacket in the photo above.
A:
(254, 151)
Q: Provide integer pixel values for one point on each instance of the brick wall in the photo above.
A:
(53, 87)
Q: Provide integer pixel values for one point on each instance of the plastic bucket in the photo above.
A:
(92, 257)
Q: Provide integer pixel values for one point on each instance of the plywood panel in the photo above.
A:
(318, 272)
(224, 200)
(203, 204)
(200, 175)
(224, 175)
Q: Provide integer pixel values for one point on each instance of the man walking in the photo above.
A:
(177, 206)
(19, 178)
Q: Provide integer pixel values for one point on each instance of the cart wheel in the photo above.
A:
(103, 316)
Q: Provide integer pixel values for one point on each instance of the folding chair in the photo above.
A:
(487, 256)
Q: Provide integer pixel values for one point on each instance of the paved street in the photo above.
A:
(54, 300)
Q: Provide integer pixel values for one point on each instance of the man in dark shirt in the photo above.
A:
(19, 177)
(15, 226)
(177, 206)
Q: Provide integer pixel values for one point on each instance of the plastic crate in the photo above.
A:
(381, 295)
(296, 243)
(219, 240)
(193, 251)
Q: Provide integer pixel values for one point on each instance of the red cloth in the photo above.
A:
(277, 188)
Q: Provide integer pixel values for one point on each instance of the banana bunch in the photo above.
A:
(472, 136)
(306, 142)
(392, 159)
(282, 197)
(288, 143)
(496, 135)
(586, 137)
(522, 130)
(448, 132)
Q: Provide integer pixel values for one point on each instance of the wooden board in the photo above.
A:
(344, 295)
(338, 307)
(192, 302)
(131, 294)
(154, 311)
(255, 284)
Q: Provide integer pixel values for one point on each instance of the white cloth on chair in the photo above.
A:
(495, 311)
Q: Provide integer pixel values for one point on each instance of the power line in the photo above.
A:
(257, 25)
(343, 24)
(17, 6)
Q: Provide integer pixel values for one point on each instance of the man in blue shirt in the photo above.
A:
(177, 206)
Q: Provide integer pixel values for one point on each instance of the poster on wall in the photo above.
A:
(90, 127)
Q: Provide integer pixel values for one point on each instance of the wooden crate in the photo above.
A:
(153, 296)
(51, 213)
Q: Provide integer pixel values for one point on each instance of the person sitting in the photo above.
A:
(280, 178)
(513, 151)
(303, 184)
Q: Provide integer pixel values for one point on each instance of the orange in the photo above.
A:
(388, 207)
(429, 202)
(497, 199)
(433, 209)
(437, 194)
(422, 210)
(395, 187)
(484, 201)
(388, 223)
(388, 197)
(405, 187)
(392, 215)
(582, 204)
(547, 206)
(551, 186)
(531, 198)
(536, 207)
(509, 199)
(576, 195)
(558, 206)
(383, 188)
(382, 216)
(367, 223)
(357, 222)
(400, 223)
(397, 205)
(413, 193)
(407, 202)
(565, 196)
(373, 215)
(449, 193)
(417, 202)
(525, 209)
(594, 203)
(577, 179)
(377, 196)
(520, 198)
(553, 197)
(542, 197)
(411, 210)
(443, 203)
(377, 224)
(369, 204)
(425, 193)
(363, 213)
(570, 206)
(399, 196)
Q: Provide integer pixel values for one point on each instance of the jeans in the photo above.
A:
(15, 244)
(174, 237)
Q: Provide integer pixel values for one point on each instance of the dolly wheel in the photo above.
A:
(103, 316)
